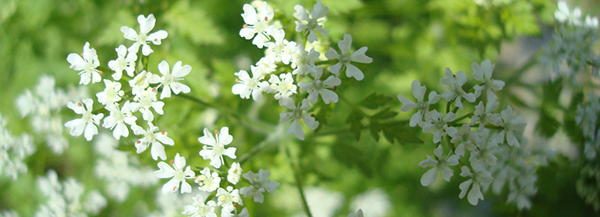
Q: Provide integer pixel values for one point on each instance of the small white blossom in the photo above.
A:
(87, 123)
(178, 174)
(111, 94)
(258, 18)
(145, 102)
(439, 164)
(295, 114)
(143, 37)
(201, 208)
(473, 187)
(320, 87)
(439, 125)
(312, 21)
(455, 91)
(421, 105)
(483, 73)
(346, 57)
(151, 137)
(86, 64)
(170, 78)
(564, 15)
(226, 197)
(215, 146)
(208, 181)
(283, 86)
(125, 61)
(303, 62)
(118, 120)
(234, 173)
(260, 183)
(280, 49)
(248, 86)
(514, 126)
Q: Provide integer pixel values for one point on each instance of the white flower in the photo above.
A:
(214, 146)
(234, 173)
(303, 62)
(439, 164)
(473, 187)
(208, 181)
(484, 114)
(280, 49)
(151, 137)
(178, 174)
(320, 87)
(296, 114)
(201, 208)
(257, 18)
(145, 102)
(311, 21)
(513, 125)
(591, 22)
(439, 125)
(227, 197)
(86, 65)
(564, 15)
(266, 65)
(260, 183)
(142, 81)
(455, 92)
(144, 36)
(346, 57)
(87, 123)
(421, 105)
(111, 94)
(283, 85)
(119, 119)
(247, 85)
(170, 78)
(125, 62)
(483, 73)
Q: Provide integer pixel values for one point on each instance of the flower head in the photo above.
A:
(345, 58)
(85, 125)
(215, 146)
(144, 36)
(86, 64)
(178, 174)
(170, 78)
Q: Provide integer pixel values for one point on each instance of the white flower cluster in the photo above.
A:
(119, 171)
(13, 151)
(473, 130)
(217, 193)
(126, 100)
(67, 198)
(43, 106)
(573, 42)
(294, 72)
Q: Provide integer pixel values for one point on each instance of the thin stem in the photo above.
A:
(298, 179)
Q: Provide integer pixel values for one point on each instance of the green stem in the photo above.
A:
(298, 179)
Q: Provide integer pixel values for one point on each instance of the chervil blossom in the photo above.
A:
(201, 208)
(170, 78)
(215, 146)
(439, 164)
(295, 114)
(247, 86)
(283, 86)
(208, 181)
(485, 114)
(118, 120)
(421, 105)
(591, 22)
(145, 102)
(303, 62)
(258, 18)
(234, 173)
(439, 125)
(143, 37)
(318, 87)
(513, 126)
(260, 183)
(455, 91)
(87, 123)
(111, 94)
(178, 174)
(565, 15)
(86, 64)
(483, 74)
(346, 57)
(226, 198)
(142, 81)
(478, 181)
(280, 49)
(312, 21)
(151, 137)
(125, 61)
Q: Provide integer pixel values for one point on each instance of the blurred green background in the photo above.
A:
(408, 39)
